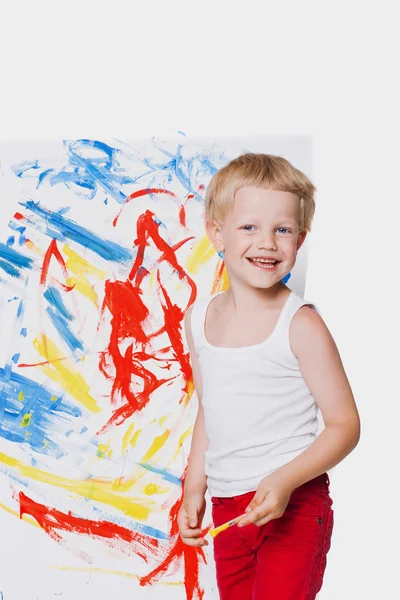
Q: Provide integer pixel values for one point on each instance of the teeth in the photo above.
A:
(263, 260)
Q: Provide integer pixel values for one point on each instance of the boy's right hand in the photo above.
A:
(190, 517)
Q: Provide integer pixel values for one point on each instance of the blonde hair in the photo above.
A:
(258, 170)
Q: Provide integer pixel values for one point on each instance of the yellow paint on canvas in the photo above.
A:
(152, 488)
(202, 252)
(21, 396)
(102, 449)
(81, 267)
(26, 420)
(127, 436)
(221, 282)
(158, 443)
(135, 438)
(135, 508)
(162, 420)
(61, 370)
(183, 437)
(189, 393)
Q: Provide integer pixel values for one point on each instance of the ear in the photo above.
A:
(300, 239)
(214, 233)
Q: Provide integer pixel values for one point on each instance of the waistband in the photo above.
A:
(320, 483)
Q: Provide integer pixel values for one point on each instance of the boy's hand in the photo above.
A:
(190, 517)
(269, 502)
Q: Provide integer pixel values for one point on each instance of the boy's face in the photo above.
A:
(261, 224)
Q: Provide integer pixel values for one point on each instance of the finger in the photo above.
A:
(264, 520)
(194, 542)
(190, 533)
(257, 500)
(255, 515)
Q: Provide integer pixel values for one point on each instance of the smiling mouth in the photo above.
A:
(263, 263)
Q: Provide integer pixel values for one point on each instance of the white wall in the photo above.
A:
(226, 69)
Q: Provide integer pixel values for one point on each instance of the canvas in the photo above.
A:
(102, 252)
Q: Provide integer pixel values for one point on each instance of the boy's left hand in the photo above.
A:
(269, 502)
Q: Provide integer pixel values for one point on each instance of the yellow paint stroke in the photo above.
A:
(63, 372)
(81, 267)
(162, 420)
(189, 393)
(125, 485)
(183, 437)
(127, 435)
(53, 398)
(102, 449)
(158, 443)
(29, 244)
(135, 437)
(202, 252)
(46, 443)
(152, 279)
(86, 488)
(221, 282)
(153, 488)
(21, 396)
(26, 420)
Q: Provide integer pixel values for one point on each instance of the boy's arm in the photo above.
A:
(322, 370)
(195, 477)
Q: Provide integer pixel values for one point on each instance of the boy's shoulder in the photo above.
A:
(307, 328)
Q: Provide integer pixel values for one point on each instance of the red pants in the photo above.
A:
(284, 559)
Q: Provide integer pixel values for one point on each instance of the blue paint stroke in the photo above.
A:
(62, 327)
(128, 524)
(53, 296)
(9, 269)
(162, 472)
(69, 230)
(22, 168)
(15, 258)
(49, 413)
(87, 170)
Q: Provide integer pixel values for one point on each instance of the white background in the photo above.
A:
(225, 69)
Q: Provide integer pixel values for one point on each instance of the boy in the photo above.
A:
(263, 364)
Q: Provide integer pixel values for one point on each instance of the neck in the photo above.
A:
(249, 298)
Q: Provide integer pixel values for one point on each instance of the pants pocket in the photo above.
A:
(326, 544)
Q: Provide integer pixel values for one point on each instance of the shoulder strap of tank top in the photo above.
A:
(197, 318)
(293, 304)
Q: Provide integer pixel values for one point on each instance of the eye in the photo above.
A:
(285, 229)
(248, 227)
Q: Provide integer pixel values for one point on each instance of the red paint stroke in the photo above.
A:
(52, 251)
(182, 216)
(143, 192)
(190, 196)
(180, 552)
(129, 316)
(51, 519)
(173, 316)
(18, 216)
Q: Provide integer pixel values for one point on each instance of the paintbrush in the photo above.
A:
(217, 530)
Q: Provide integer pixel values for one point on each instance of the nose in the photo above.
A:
(266, 241)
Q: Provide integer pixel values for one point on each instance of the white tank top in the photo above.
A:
(259, 412)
